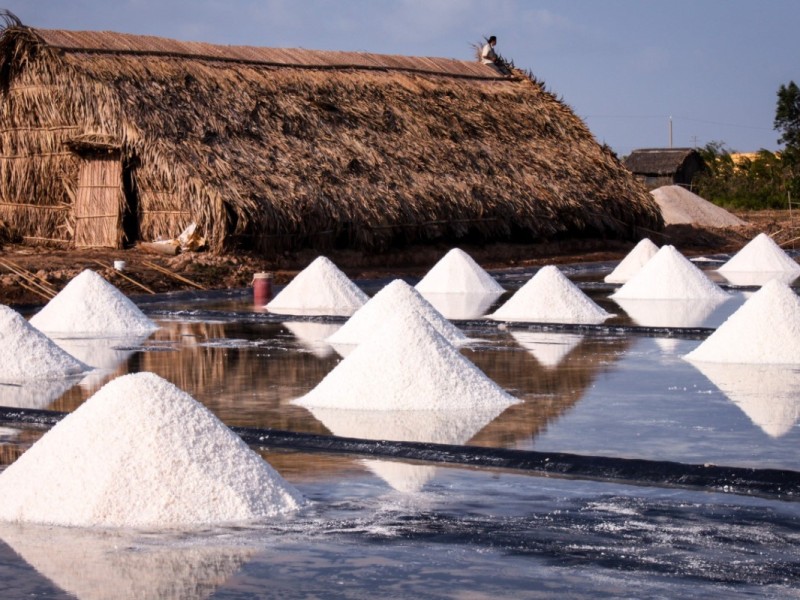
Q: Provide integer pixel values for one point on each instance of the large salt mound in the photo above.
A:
(764, 330)
(550, 297)
(761, 254)
(395, 300)
(633, 262)
(457, 273)
(142, 453)
(670, 276)
(320, 289)
(679, 206)
(406, 365)
(26, 354)
(89, 304)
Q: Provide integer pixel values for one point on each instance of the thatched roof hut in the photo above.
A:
(110, 138)
(657, 167)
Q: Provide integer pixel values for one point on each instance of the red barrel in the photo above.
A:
(262, 288)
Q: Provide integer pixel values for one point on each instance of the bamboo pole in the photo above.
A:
(46, 289)
(34, 290)
(131, 279)
(165, 271)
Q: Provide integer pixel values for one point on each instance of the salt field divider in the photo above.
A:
(779, 484)
(693, 333)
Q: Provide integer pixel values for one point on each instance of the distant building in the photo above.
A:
(665, 166)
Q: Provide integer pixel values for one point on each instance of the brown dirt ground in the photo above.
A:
(56, 267)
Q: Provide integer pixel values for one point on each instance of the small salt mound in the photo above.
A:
(670, 276)
(680, 206)
(406, 365)
(633, 261)
(550, 297)
(142, 453)
(458, 273)
(764, 330)
(89, 304)
(319, 289)
(761, 254)
(397, 299)
(26, 354)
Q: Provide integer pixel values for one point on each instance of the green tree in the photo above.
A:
(787, 116)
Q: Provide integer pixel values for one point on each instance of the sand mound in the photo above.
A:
(26, 354)
(406, 365)
(89, 304)
(458, 273)
(670, 276)
(142, 453)
(551, 298)
(679, 206)
(633, 262)
(764, 330)
(397, 299)
(319, 289)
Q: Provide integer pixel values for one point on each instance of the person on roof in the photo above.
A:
(488, 55)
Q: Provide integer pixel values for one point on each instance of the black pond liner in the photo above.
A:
(780, 484)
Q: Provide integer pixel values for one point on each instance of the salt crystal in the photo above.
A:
(458, 273)
(319, 289)
(761, 254)
(764, 330)
(406, 365)
(397, 299)
(670, 276)
(142, 453)
(89, 304)
(633, 262)
(551, 298)
(26, 354)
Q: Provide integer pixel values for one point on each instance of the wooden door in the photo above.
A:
(99, 203)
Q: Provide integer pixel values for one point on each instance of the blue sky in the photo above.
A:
(624, 66)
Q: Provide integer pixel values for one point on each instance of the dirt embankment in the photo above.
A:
(54, 268)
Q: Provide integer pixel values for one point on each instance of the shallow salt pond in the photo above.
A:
(410, 528)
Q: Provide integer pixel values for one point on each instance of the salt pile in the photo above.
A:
(680, 206)
(669, 313)
(397, 300)
(550, 297)
(89, 304)
(458, 273)
(142, 453)
(761, 254)
(461, 306)
(99, 564)
(26, 354)
(633, 262)
(764, 330)
(670, 276)
(406, 365)
(319, 289)
(768, 394)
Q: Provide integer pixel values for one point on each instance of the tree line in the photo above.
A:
(764, 180)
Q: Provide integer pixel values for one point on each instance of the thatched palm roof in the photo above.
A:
(658, 161)
(275, 148)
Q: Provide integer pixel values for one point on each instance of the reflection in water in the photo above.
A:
(547, 347)
(429, 426)
(462, 306)
(312, 335)
(768, 394)
(757, 278)
(106, 564)
(669, 313)
(34, 394)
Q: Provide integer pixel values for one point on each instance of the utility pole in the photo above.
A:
(670, 131)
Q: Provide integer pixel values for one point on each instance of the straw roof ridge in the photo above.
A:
(278, 157)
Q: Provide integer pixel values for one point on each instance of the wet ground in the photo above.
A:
(617, 395)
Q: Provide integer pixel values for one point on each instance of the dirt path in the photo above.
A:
(54, 268)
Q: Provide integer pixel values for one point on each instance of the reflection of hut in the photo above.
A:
(112, 138)
(665, 166)
(548, 392)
